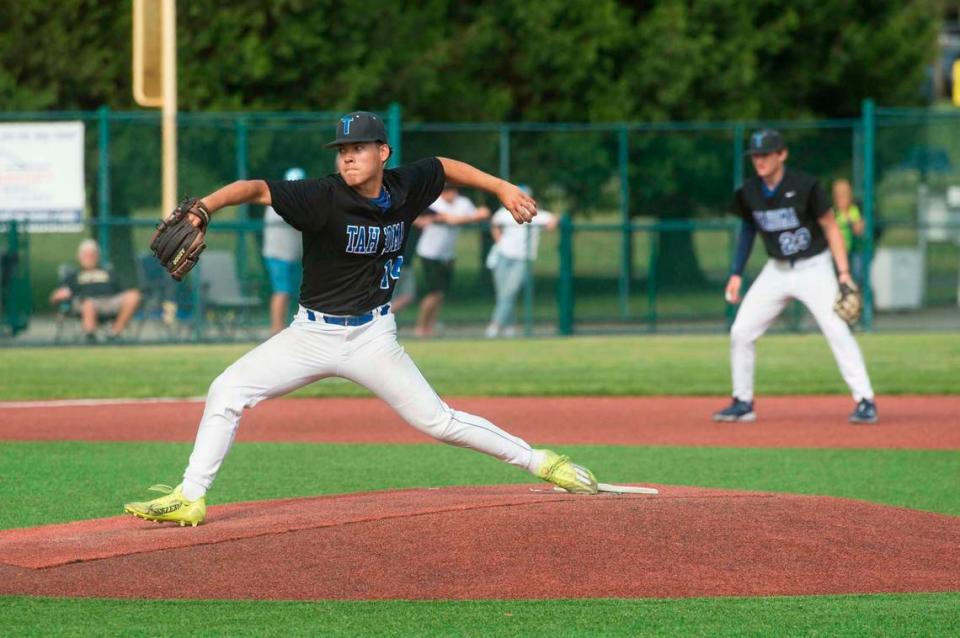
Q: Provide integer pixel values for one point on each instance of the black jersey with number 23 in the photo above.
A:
(787, 219)
(353, 252)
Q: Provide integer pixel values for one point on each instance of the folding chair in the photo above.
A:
(221, 294)
(159, 303)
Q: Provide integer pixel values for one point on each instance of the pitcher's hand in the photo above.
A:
(521, 206)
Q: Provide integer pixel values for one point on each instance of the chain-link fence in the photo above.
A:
(645, 243)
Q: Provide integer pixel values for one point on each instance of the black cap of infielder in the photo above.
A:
(359, 126)
(765, 141)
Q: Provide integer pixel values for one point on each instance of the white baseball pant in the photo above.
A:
(812, 282)
(370, 355)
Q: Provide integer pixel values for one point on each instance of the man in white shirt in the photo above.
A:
(437, 249)
(282, 250)
(514, 249)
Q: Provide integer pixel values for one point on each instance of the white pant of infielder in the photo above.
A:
(370, 355)
(812, 282)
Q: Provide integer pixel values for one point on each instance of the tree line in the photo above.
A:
(517, 60)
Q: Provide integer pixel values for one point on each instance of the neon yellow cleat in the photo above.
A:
(563, 473)
(172, 508)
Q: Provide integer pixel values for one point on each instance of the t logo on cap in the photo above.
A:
(765, 141)
(359, 126)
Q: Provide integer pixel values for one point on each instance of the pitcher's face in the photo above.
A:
(361, 162)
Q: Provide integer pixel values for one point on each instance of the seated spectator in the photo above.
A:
(95, 293)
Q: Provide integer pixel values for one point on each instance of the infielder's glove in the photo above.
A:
(178, 240)
(849, 303)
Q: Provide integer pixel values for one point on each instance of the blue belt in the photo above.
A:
(350, 320)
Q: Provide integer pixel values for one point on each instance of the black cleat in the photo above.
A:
(738, 411)
(866, 412)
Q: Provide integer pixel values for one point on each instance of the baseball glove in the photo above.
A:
(178, 240)
(849, 303)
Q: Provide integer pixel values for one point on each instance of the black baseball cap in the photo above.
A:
(765, 141)
(359, 126)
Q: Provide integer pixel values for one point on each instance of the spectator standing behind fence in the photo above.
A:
(405, 292)
(515, 247)
(437, 249)
(96, 292)
(282, 249)
(850, 222)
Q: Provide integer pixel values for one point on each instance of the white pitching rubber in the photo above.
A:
(610, 488)
(626, 489)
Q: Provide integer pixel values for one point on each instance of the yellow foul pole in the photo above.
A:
(169, 65)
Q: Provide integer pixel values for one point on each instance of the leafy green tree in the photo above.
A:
(510, 60)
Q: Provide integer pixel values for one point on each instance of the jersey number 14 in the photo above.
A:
(391, 270)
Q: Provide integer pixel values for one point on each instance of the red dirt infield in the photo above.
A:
(907, 422)
(496, 542)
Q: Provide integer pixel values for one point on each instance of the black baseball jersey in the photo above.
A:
(353, 252)
(96, 282)
(788, 218)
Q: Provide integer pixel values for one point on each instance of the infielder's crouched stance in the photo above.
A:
(354, 226)
(794, 217)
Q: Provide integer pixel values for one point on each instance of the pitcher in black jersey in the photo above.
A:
(792, 213)
(355, 224)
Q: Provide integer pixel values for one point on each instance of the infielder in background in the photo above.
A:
(513, 252)
(793, 216)
(282, 250)
(354, 226)
(437, 249)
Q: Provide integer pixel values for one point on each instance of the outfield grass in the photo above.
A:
(880, 615)
(637, 365)
(63, 481)
(94, 479)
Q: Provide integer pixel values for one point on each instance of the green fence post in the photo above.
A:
(565, 299)
(869, 131)
(103, 180)
(17, 303)
(730, 311)
(528, 286)
(737, 155)
(626, 240)
(10, 302)
(243, 211)
(395, 134)
(654, 237)
(505, 152)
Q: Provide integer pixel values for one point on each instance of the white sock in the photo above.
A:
(192, 491)
(537, 457)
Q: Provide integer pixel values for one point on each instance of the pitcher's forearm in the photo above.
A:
(467, 175)
(244, 191)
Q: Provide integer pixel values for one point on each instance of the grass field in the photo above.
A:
(63, 481)
(645, 365)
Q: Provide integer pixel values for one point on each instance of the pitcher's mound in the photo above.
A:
(496, 542)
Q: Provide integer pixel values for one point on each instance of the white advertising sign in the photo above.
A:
(41, 175)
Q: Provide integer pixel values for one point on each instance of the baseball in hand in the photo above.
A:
(728, 295)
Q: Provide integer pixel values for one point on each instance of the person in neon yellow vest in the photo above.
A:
(850, 222)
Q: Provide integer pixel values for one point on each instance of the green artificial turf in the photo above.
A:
(46, 482)
(876, 615)
(64, 481)
(636, 365)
